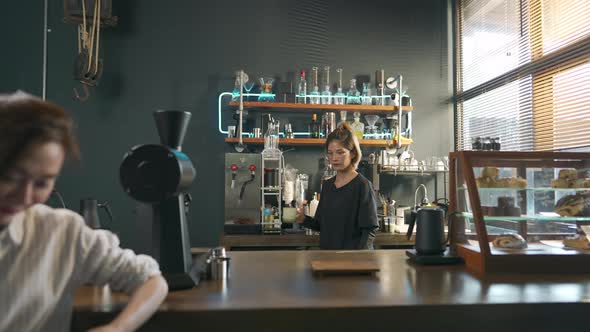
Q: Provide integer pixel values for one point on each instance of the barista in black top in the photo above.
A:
(347, 213)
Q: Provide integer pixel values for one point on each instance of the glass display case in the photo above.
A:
(520, 211)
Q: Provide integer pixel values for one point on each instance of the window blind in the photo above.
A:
(523, 73)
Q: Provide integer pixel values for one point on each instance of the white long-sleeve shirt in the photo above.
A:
(45, 254)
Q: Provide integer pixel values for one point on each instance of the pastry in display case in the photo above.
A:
(521, 211)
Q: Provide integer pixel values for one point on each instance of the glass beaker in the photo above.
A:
(339, 95)
(235, 94)
(326, 92)
(271, 140)
(289, 131)
(372, 128)
(301, 186)
(302, 89)
(343, 115)
(366, 97)
(328, 123)
(353, 97)
(389, 127)
(266, 89)
(314, 94)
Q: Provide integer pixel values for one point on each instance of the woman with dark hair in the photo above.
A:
(346, 216)
(46, 253)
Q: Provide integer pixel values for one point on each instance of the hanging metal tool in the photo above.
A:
(396, 85)
(88, 65)
(242, 78)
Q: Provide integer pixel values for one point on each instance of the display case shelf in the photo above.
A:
(469, 215)
(411, 173)
(535, 252)
(318, 141)
(318, 107)
(482, 190)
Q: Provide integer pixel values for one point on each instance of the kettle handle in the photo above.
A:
(412, 222)
(450, 225)
(105, 205)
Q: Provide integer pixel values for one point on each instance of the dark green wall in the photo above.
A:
(181, 54)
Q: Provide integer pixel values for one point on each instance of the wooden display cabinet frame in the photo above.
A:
(480, 260)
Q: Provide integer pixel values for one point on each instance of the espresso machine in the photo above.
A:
(242, 193)
(158, 177)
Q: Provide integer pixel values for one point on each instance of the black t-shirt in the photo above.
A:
(347, 216)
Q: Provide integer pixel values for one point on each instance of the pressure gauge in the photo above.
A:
(391, 83)
(244, 77)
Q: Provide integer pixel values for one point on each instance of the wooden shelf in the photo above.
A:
(330, 107)
(318, 141)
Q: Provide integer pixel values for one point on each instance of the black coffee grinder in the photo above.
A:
(159, 175)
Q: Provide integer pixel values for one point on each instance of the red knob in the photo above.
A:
(252, 168)
(234, 167)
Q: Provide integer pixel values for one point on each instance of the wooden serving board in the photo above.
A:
(343, 266)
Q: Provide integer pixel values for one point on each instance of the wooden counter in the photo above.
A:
(276, 291)
(301, 240)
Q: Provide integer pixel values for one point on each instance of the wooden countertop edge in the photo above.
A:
(299, 240)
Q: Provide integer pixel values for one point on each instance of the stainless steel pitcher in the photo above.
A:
(329, 122)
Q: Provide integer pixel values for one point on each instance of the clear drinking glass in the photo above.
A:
(314, 94)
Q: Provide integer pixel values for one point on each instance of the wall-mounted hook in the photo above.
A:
(86, 95)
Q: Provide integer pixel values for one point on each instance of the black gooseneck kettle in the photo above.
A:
(430, 227)
(89, 211)
(430, 230)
